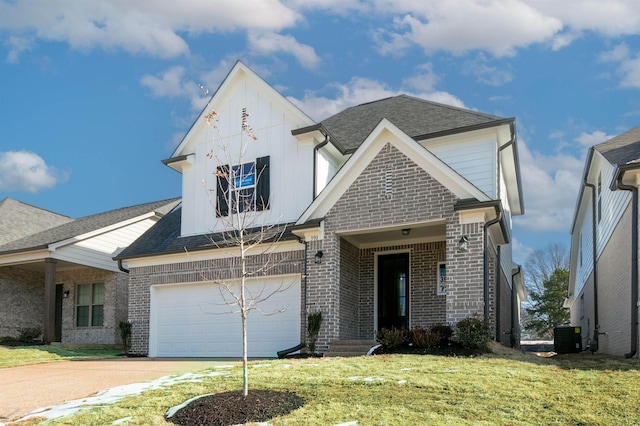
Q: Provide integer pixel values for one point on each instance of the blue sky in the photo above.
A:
(94, 94)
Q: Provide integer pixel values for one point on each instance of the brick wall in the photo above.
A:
(141, 279)
(115, 288)
(614, 290)
(21, 304)
(413, 197)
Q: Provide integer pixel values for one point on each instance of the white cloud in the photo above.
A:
(520, 252)
(266, 44)
(550, 185)
(142, 26)
(487, 74)
(16, 46)
(458, 26)
(628, 64)
(26, 171)
(360, 90)
(590, 139)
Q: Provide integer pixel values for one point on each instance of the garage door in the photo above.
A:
(192, 320)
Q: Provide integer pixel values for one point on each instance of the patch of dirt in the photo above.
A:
(231, 408)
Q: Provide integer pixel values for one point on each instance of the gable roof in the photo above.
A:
(85, 225)
(418, 118)
(387, 132)
(622, 149)
(18, 220)
(238, 72)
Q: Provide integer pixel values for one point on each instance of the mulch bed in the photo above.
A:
(231, 408)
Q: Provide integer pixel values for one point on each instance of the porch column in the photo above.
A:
(49, 331)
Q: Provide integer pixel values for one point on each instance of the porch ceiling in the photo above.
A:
(393, 235)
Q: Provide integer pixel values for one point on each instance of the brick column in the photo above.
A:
(465, 274)
(49, 332)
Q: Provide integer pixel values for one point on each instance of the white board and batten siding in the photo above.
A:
(291, 162)
(192, 320)
(98, 250)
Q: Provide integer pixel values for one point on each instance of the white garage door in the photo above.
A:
(192, 320)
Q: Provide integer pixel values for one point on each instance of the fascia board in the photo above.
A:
(580, 201)
(21, 258)
(55, 246)
(215, 253)
(385, 132)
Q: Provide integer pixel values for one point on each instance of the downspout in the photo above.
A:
(485, 242)
(514, 302)
(498, 298)
(593, 345)
(634, 265)
(122, 268)
(315, 164)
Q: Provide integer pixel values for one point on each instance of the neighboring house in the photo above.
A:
(397, 213)
(603, 283)
(58, 274)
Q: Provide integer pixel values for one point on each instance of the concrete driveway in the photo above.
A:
(27, 388)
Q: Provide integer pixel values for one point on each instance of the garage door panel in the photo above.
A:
(191, 320)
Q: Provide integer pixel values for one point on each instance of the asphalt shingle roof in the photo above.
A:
(18, 220)
(623, 149)
(86, 224)
(164, 237)
(415, 117)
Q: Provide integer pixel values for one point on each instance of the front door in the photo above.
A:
(393, 291)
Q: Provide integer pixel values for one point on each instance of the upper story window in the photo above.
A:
(243, 187)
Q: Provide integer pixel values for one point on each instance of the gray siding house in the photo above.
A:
(394, 213)
(603, 284)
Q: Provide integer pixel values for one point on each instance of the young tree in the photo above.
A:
(234, 192)
(547, 309)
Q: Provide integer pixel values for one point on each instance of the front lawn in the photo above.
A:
(506, 388)
(24, 355)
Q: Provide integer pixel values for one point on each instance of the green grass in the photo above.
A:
(508, 388)
(25, 355)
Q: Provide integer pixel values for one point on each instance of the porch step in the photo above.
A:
(349, 348)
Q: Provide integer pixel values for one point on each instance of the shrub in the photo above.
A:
(444, 331)
(424, 339)
(392, 338)
(125, 335)
(473, 333)
(29, 334)
(314, 320)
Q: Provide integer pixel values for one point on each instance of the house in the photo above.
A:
(394, 213)
(58, 274)
(603, 276)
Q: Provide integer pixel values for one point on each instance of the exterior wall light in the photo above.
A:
(318, 256)
(65, 294)
(463, 243)
(406, 231)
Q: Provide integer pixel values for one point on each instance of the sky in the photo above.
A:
(95, 93)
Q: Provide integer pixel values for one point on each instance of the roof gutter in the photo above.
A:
(618, 175)
(593, 345)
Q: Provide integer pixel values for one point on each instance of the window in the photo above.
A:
(244, 187)
(442, 279)
(581, 306)
(90, 305)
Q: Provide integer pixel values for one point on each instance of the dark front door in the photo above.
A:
(58, 323)
(393, 291)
